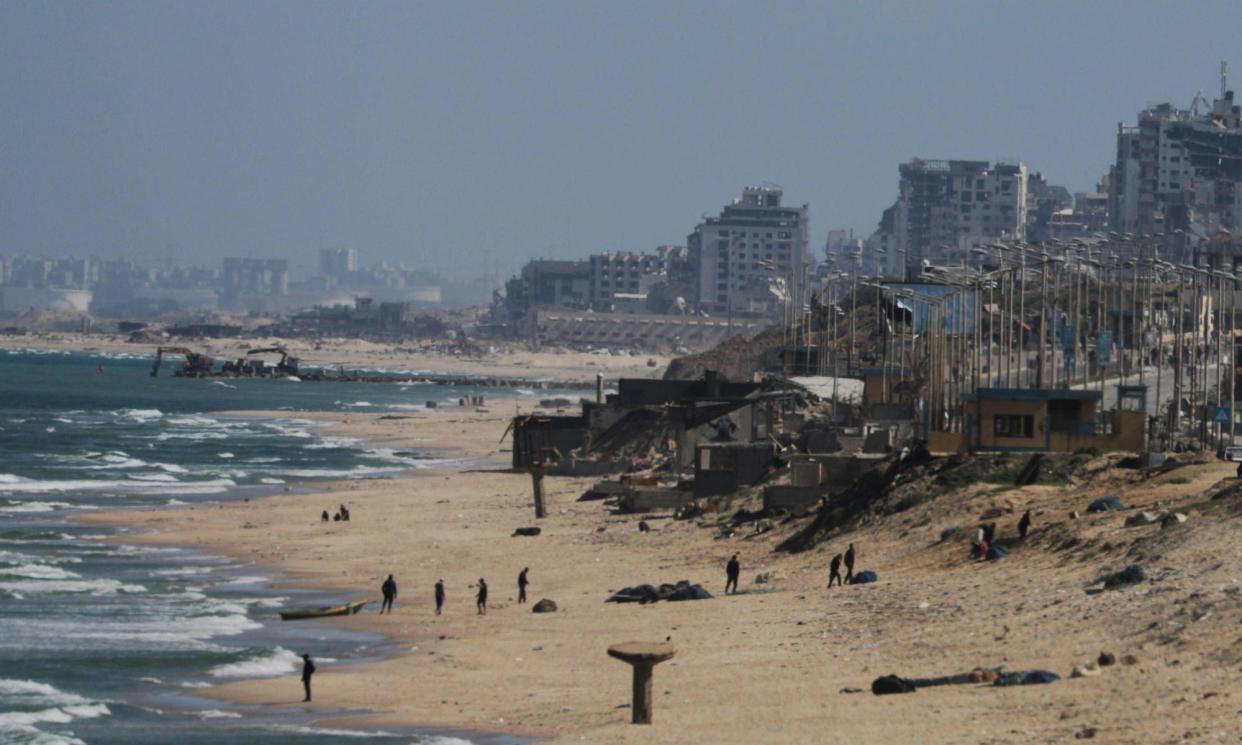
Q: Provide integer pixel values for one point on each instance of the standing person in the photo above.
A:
(1024, 524)
(308, 669)
(480, 600)
(849, 564)
(389, 588)
(732, 570)
(834, 571)
(439, 596)
(522, 583)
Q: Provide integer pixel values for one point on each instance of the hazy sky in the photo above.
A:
(470, 136)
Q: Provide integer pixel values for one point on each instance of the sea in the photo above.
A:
(104, 641)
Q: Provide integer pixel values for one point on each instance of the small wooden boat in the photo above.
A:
(348, 609)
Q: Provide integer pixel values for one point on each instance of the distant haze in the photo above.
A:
(468, 137)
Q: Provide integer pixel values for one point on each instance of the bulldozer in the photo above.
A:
(196, 365)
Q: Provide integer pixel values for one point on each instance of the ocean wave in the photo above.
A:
(33, 693)
(37, 571)
(35, 506)
(139, 415)
(302, 729)
(96, 587)
(277, 662)
(10, 484)
(218, 714)
(55, 715)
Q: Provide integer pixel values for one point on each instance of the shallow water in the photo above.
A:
(107, 642)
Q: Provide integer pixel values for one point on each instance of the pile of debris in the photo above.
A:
(644, 594)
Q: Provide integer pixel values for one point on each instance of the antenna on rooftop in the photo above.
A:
(1224, 73)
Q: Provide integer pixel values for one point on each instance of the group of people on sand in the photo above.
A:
(389, 591)
(733, 570)
(834, 568)
(342, 515)
(985, 536)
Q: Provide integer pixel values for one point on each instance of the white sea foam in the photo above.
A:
(16, 485)
(279, 662)
(271, 481)
(140, 415)
(301, 729)
(35, 506)
(225, 455)
(37, 571)
(34, 693)
(97, 587)
(219, 714)
(166, 478)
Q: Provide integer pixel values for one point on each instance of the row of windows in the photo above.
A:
(780, 234)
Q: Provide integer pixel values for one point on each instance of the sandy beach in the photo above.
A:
(759, 666)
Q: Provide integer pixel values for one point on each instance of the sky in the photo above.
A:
(467, 137)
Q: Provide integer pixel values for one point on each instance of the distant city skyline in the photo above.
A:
(469, 138)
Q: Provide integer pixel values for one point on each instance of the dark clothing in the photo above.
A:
(849, 564)
(481, 598)
(389, 588)
(989, 532)
(308, 669)
(732, 570)
(439, 597)
(1024, 524)
(324, 517)
(522, 586)
(834, 570)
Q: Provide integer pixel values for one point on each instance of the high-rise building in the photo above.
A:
(338, 263)
(1178, 169)
(753, 256)
(945, 208)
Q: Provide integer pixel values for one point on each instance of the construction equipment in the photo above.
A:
(287, 365)
(196, 365)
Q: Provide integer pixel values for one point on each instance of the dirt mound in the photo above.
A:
(900, 484)
(737, 358)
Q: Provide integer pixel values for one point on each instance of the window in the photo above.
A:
(1013, 425)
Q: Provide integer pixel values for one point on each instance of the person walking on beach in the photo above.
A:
(439, 596)
(1024, 524)
(834, 571)
(849, 564)
(480, 600)
(522, 582)
(732, 570)
(389, 588)
(308, 669)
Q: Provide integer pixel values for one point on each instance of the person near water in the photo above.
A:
(480, 600)
(522, 583)
(308, 669)
(849, 564)
(389, 588)
(732, 570)
(344, 512)
(1024, 524)
(834, 571)
(439, 596)
(324, 517)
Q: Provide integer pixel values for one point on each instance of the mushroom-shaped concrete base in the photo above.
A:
(642, 656)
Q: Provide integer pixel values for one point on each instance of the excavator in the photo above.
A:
(196, 365)
(287, 365)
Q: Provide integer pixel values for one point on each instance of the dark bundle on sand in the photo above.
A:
(683, 590)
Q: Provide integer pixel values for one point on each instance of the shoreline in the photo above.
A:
(280, 579)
